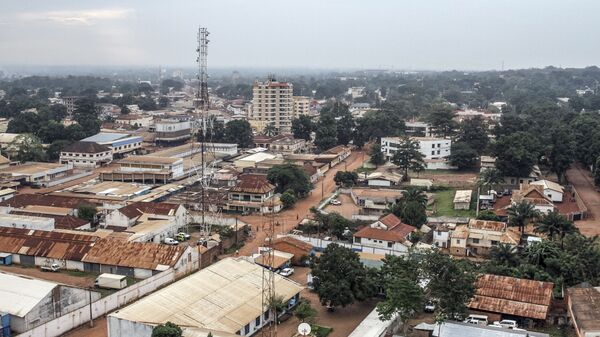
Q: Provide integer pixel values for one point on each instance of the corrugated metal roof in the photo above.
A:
(104, 137)
(223, 297)
(21, 294)
(585, 304)
(133, 254)
(513, 296)
(62, 246)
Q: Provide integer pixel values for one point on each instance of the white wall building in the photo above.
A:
(301, 106)
(26, 222)
(435, 151)
(551, 189)
(172, 130)
(86, 155)
(273, 103)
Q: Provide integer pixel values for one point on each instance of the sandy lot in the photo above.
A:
(84, 281)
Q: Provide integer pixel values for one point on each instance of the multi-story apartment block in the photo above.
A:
(273, 103)
(172, 131)
(435, 151)
(301, 105)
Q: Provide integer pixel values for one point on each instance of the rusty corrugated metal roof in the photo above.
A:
(63, 246)
(513, 296)
(133, 254)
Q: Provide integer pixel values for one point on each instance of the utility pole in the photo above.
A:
(269, 328)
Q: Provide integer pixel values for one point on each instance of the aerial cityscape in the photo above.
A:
(327, 169)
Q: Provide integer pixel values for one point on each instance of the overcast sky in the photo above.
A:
(398, 34)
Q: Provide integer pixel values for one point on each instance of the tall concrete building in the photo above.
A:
(273, 103)
(301, 105)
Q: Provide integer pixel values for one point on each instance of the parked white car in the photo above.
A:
(477, 320)
(171, 241)
(287, 272)
(335, 202)
(507, 323)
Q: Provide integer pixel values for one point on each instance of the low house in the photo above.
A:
(487, 162)
(388, 233)
(135, 120)
(479, 236)
(39, 173)
(139, 260)
(460, 329)
(298, 248)
(86, 155)
(584, 310)
(253, 193)
(32, 302)
(551, 189)
(375, 201)
(45, 204)
(334, 156)
(225, 297)
(7, 193)
(442, 233)
(462, 199)
(384, 178)
(138, 212)
(534, 175)
(277, 261)
(4, 162)
(513, 297)
(534, 194)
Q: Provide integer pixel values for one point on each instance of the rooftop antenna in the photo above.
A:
(269, 329)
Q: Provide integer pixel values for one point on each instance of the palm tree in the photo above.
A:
(414, 195)
(554, 223)
(538, 252)
(490, 178)
(504, 254)
(270, 130)
(520, 213)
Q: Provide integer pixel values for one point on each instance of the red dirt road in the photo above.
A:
(582, 180)
(288, 219)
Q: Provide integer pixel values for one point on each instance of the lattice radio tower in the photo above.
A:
(268, 277)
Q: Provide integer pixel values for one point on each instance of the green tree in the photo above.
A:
(288, 198)
(28, 148)
(270, 130)
(340, 278)
(25, 122)
(442, 121)
(520, 213)
(463, 156)
(553, 223)
(344, 128)
(408, 156)
(412, 207)
(326, 133)
(504, 254)
(302, 127)
(305, 312)
(488, 215)
(451, 284)
(86, 115)
(276, 304)
(87, 212)
(289, 177)
(473, 132)
(403, 294)
(516, 154)
(562, 150)
(53, 151)
(377, 157)
(167, 330)
(490, 179)
(238, 132)
(346, 178)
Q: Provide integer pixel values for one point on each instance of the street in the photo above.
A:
(583, 182)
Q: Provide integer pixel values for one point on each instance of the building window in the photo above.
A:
(247, 329)
(390, 244)
(494, 243)
(475, 240)
(458, 241)
(433, 146)
(257, 321)
(266, 315)
(432, 153)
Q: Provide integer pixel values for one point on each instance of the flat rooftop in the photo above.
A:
(112, 188)
(104, 137)
(32, 168)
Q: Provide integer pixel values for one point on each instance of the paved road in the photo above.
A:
(288, 219)
(582, 180)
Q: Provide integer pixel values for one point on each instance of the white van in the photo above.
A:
(477, 320)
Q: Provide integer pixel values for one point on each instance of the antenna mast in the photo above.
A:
(268, 277)
(201, 109)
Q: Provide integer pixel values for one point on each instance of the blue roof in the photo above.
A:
(104, 137)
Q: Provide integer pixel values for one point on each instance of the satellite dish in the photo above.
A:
(304, 329)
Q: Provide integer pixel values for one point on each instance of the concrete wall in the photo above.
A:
(61, 300)
(67, 322)
(320, 244)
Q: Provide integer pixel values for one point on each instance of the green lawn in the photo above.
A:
(444, 205)
(320, 331)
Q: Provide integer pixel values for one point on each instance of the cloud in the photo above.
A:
(82, 17)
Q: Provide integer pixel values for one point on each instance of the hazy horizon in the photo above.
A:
(465, 35)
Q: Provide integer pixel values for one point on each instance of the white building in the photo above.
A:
(173, 167)
(441, 235)
(26, 222)
(168, 130)
(435, 151)
(119, 143)
(273, 103)
(224, 298)
(135, 120)
(387, 233)
(86, 155)
(551, 189)
(137, 212)
(418, 129)
(32, 302)
(38, 173)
